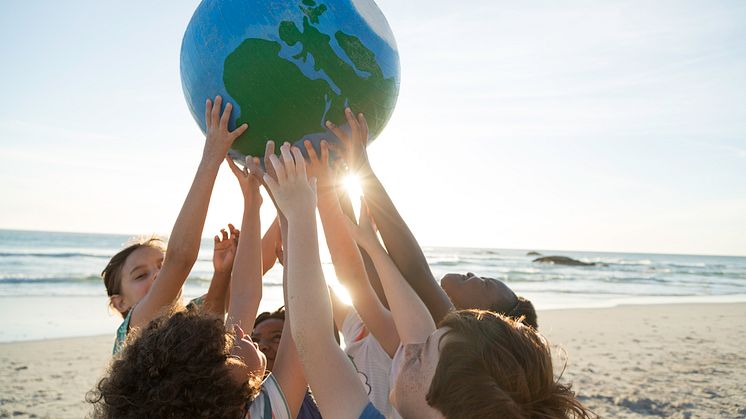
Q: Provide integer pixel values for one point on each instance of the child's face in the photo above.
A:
(138, 273)
(470, 291)
(246, 358)
(267, 335)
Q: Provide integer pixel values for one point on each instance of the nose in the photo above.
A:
(263, 346)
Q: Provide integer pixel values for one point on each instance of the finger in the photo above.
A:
(208, 111)
(269, 150)
(279, 169)
(238, 331)
(312, 157)
(215, 114)
(226, 116)
(253, 163)
(239, 131)
(216, 239)
(233, 230)
(337, 131)
(325, 153)
(224, 233)
(234, 167)
(354, 126)
(287, 159)
(300, 162)
(363, 127)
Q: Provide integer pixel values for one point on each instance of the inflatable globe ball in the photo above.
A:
(289, 65)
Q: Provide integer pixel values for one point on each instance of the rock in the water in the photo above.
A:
(562, 260)
(533, 253)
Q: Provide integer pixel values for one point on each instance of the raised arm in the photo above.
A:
(346, 258)
(246, 280)
(332, 377)
(375, 282)
(287, 369)
(413, 321)
(398, 238)
(224, 251)
(185, 237)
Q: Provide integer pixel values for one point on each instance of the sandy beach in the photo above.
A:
(680, 360)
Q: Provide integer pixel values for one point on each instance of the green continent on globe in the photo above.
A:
(273, 93)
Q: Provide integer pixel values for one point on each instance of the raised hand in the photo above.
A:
(248, 177)
(219, 139)
(319, 167)
(365, 232)
(355, 143)
(224, 249)
(293, 193)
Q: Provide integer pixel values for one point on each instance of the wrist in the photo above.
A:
(299, 214)
(209, 162)
(251, 194)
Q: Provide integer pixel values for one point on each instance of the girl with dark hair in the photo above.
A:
(143, 279)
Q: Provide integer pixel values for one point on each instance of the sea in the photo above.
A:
(50, 283)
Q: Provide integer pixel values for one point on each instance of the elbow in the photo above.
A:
(181, 258)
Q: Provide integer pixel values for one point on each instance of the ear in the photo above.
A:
(117, 301)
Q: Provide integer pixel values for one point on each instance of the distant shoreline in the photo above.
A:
(526, 250)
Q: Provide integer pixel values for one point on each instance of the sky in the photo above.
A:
(580, 125)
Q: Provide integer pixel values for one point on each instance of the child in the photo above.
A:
(267, 334)
(144, 278)
(131, 266)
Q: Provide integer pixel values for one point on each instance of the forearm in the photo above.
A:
(215, 299)
(329, 372)
(310, 313)
(370, 271)
(412, 319)
(403, 248)
(269, 241)
(246, 282)
(288, 369)
(348, 264)
(184, 241)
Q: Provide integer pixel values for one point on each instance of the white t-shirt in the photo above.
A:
(270, 403)
(372, 362)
